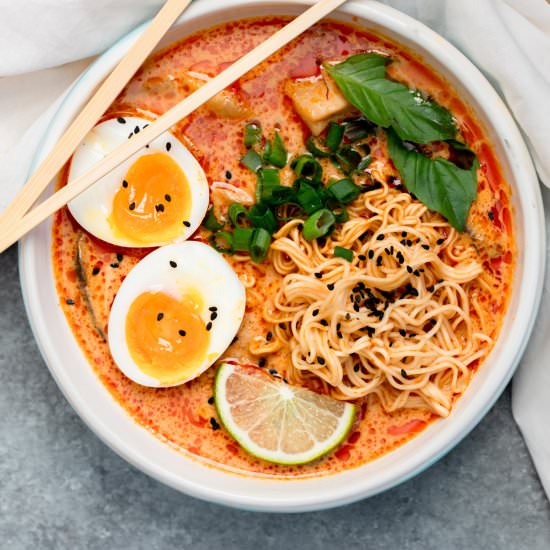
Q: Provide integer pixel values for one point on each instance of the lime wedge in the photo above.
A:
(277, 422)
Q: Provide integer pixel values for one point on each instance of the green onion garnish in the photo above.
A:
(364, 163)
(268, 180)
(216, 240)
(341, 252)
(348, 159)
(308, 198)
(315, 150)
(344, 191)
(334, 137)
(241, 238)
(252, 134)
(358, 129)
(210, 222)
(341, 215)
(275, 153)
(306, 166)
(237, 214)
(318, 224)
(259, 244)
(261, 216)
(252, 160)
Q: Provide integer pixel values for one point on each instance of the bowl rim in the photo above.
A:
(530, 290)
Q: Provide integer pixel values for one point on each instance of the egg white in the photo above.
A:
(92, 208)
(200, 269)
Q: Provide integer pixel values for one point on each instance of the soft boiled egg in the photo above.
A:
(158, 196)
(174, 315)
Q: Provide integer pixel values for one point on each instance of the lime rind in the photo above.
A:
(320, 449)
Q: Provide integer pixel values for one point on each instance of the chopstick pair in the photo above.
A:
(12, 228)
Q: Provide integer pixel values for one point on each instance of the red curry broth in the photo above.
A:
(84, 269)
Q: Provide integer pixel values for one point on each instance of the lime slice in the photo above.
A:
(277, 422)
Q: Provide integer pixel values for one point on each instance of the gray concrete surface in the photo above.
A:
(61, 488)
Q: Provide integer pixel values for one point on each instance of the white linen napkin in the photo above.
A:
(509, 40)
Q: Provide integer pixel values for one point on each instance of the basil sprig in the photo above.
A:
(438, 183)
(362, 80)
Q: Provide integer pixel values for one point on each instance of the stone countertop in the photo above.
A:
(62, 488)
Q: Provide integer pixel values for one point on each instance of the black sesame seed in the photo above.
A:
(119, 257)
(114, 265)
(416, 273)
(404, 233)
(95, 271)
(273, 371)
(426, 247)
(136, 130)
(339, 334)
(321, 361)
(330, 286)
(403, 332)
(132, 205)
(379, 261)
(348, 316)
(124, 184)
(409, 269)
(356, 368)
(318, 275)
(409, 242)
(159, 207)
(269, 336)
(214, 424)
(491, 216)
(121, 120)
(69, 302)
(262, 362)
(380, 237)
(440, 241)
(173, 264)
(371, 254)
(213, 315)
(168, 146)
(212, 308)
(181, 332)
(324, 322)
(211, 400)
(404, 374)
(209, 326)
(362, 257)
(228, 175)
(160, 316)
(315, 312)
(186, 223)
(167, 197)
(131, 134)
(370, 331)
(356, 308)
(430, 288)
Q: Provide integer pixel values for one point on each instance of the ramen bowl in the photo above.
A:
(138, 446)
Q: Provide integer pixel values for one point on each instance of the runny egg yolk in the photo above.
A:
(166, 337)
(153, 200)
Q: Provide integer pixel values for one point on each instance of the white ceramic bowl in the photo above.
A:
(109, 421)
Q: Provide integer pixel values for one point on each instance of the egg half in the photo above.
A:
(174, 315)
(158, 196)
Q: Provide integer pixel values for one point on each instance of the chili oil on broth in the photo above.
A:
(89, 272)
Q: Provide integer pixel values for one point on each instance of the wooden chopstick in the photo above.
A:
(10, 234)
(90, 114)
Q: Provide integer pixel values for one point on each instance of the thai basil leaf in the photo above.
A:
(438, 183)
(362, 80)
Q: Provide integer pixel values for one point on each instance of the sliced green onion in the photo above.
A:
(259, 244)
(358, 128)
(341, 252)
(252, 160)
(364, 163)
(241, 238)
(216, 239)
(348, 159)
(344, 191)
(341, 215)
(210, 222)
(282, 195)
(262, 216)
(306, 166)
(275, 152)
(318, 224)
(252, 134)
(308, 198)
(335, 135)
(315, 150)
(237, 212)
(268, 180)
